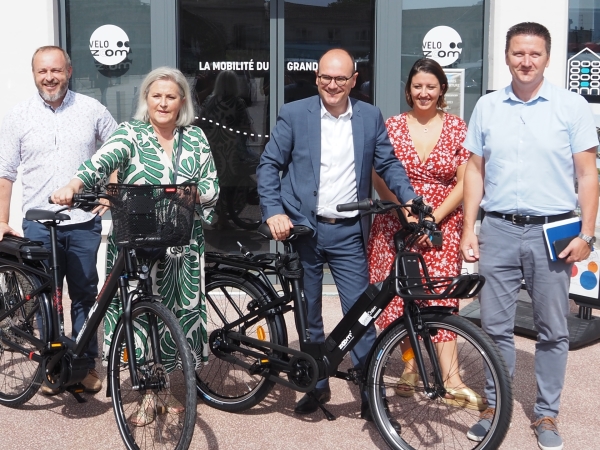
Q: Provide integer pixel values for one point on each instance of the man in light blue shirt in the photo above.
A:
(528, 143)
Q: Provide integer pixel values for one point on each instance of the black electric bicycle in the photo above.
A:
(150, 367)
(249, 342)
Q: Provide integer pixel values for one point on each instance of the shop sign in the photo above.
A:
(442, 44)
(455, 96)
(234, 65)
(109, 46)
(583, 73)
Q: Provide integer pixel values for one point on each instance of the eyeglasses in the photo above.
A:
(340, 81)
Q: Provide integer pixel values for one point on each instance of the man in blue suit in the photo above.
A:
(326, 147)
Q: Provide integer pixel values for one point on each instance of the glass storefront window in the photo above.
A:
(583, 49)
(458, 46)
(314, 26)
(224, 52)
(109, 45)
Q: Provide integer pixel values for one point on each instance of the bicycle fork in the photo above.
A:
(416, 331)
(126, 299)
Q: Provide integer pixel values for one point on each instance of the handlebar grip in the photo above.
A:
(362, 205)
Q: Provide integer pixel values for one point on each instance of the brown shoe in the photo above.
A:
(92, 382)
(47, 390)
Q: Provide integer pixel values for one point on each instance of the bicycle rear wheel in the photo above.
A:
(409, 419)
(223, 384)
(20, 377)
(160, 412)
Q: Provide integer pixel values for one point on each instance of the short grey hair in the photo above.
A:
(47, 48)
(186, 113)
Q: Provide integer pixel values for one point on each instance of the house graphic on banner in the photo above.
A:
(583, 73)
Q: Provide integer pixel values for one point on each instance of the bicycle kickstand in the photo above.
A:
(329, 416)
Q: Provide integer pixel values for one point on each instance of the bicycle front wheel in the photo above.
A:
(408, 418)
(223, 384)
(20, 376)
(158, 410)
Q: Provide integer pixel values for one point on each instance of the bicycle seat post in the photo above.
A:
(56, 282)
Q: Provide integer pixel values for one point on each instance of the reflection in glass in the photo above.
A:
(115, 85)
(314, 26)
(224, 53)
(464, 16)
(584, 26)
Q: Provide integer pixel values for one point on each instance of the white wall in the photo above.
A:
(27, 25)
(553, 14)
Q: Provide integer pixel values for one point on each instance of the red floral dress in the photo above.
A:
(433, 179)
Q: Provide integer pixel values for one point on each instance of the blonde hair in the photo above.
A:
(186, 113)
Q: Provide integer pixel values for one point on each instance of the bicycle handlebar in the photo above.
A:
(87, 201)
(425, 224)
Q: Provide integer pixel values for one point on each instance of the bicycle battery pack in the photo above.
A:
(23, 248)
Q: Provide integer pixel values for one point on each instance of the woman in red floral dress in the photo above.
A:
(428, 142)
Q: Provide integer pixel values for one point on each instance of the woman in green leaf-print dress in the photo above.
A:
(143, 151)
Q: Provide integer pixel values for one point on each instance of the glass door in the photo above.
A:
(224, 51)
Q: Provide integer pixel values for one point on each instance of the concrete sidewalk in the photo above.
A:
(61, 423)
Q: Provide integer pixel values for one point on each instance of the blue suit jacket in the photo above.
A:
(295, 150)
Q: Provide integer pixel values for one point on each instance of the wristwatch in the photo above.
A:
(589, 240)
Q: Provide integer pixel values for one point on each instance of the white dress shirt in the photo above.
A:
(338, 176)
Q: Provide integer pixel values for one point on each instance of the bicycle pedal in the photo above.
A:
(75, 390)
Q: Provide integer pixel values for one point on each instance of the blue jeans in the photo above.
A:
(77, 253)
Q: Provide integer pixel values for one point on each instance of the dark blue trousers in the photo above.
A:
(77, 254)
(342, 247)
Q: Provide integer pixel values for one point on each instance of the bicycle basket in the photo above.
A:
(152, 215)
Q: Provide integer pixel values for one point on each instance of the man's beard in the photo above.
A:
(52, 98)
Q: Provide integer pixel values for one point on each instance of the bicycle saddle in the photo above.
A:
(42, 214)
(297, 230)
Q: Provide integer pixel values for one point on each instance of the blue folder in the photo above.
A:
(559, 230)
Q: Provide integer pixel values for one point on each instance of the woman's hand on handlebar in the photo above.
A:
(64, 195)
(280, 226)
(101, 209)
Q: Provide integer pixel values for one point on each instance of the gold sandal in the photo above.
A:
(406, 384)
(145, 413)
(465, 398)
(174, 406)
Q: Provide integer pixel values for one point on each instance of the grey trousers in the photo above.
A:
(509, 253)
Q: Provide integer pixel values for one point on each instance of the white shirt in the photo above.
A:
(338, 176)
(50, 145)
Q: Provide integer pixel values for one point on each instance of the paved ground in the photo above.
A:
(61, 423)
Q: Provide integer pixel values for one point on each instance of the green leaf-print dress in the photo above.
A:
(178, 277)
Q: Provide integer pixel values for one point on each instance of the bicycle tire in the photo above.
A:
(156, 409)
(20, 377)
(436, 423)
(222, 384)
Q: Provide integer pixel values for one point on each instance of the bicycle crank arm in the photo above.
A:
(275, 363)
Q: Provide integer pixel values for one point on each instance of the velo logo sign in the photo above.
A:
(442, 44)
(109, 46)
(583, 73)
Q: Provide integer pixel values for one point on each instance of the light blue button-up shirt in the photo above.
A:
(528, 149)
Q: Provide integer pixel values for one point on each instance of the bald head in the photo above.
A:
(335, 79)
(340, 54)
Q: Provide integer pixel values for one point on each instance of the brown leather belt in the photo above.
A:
(334, 221)
(520, 219)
